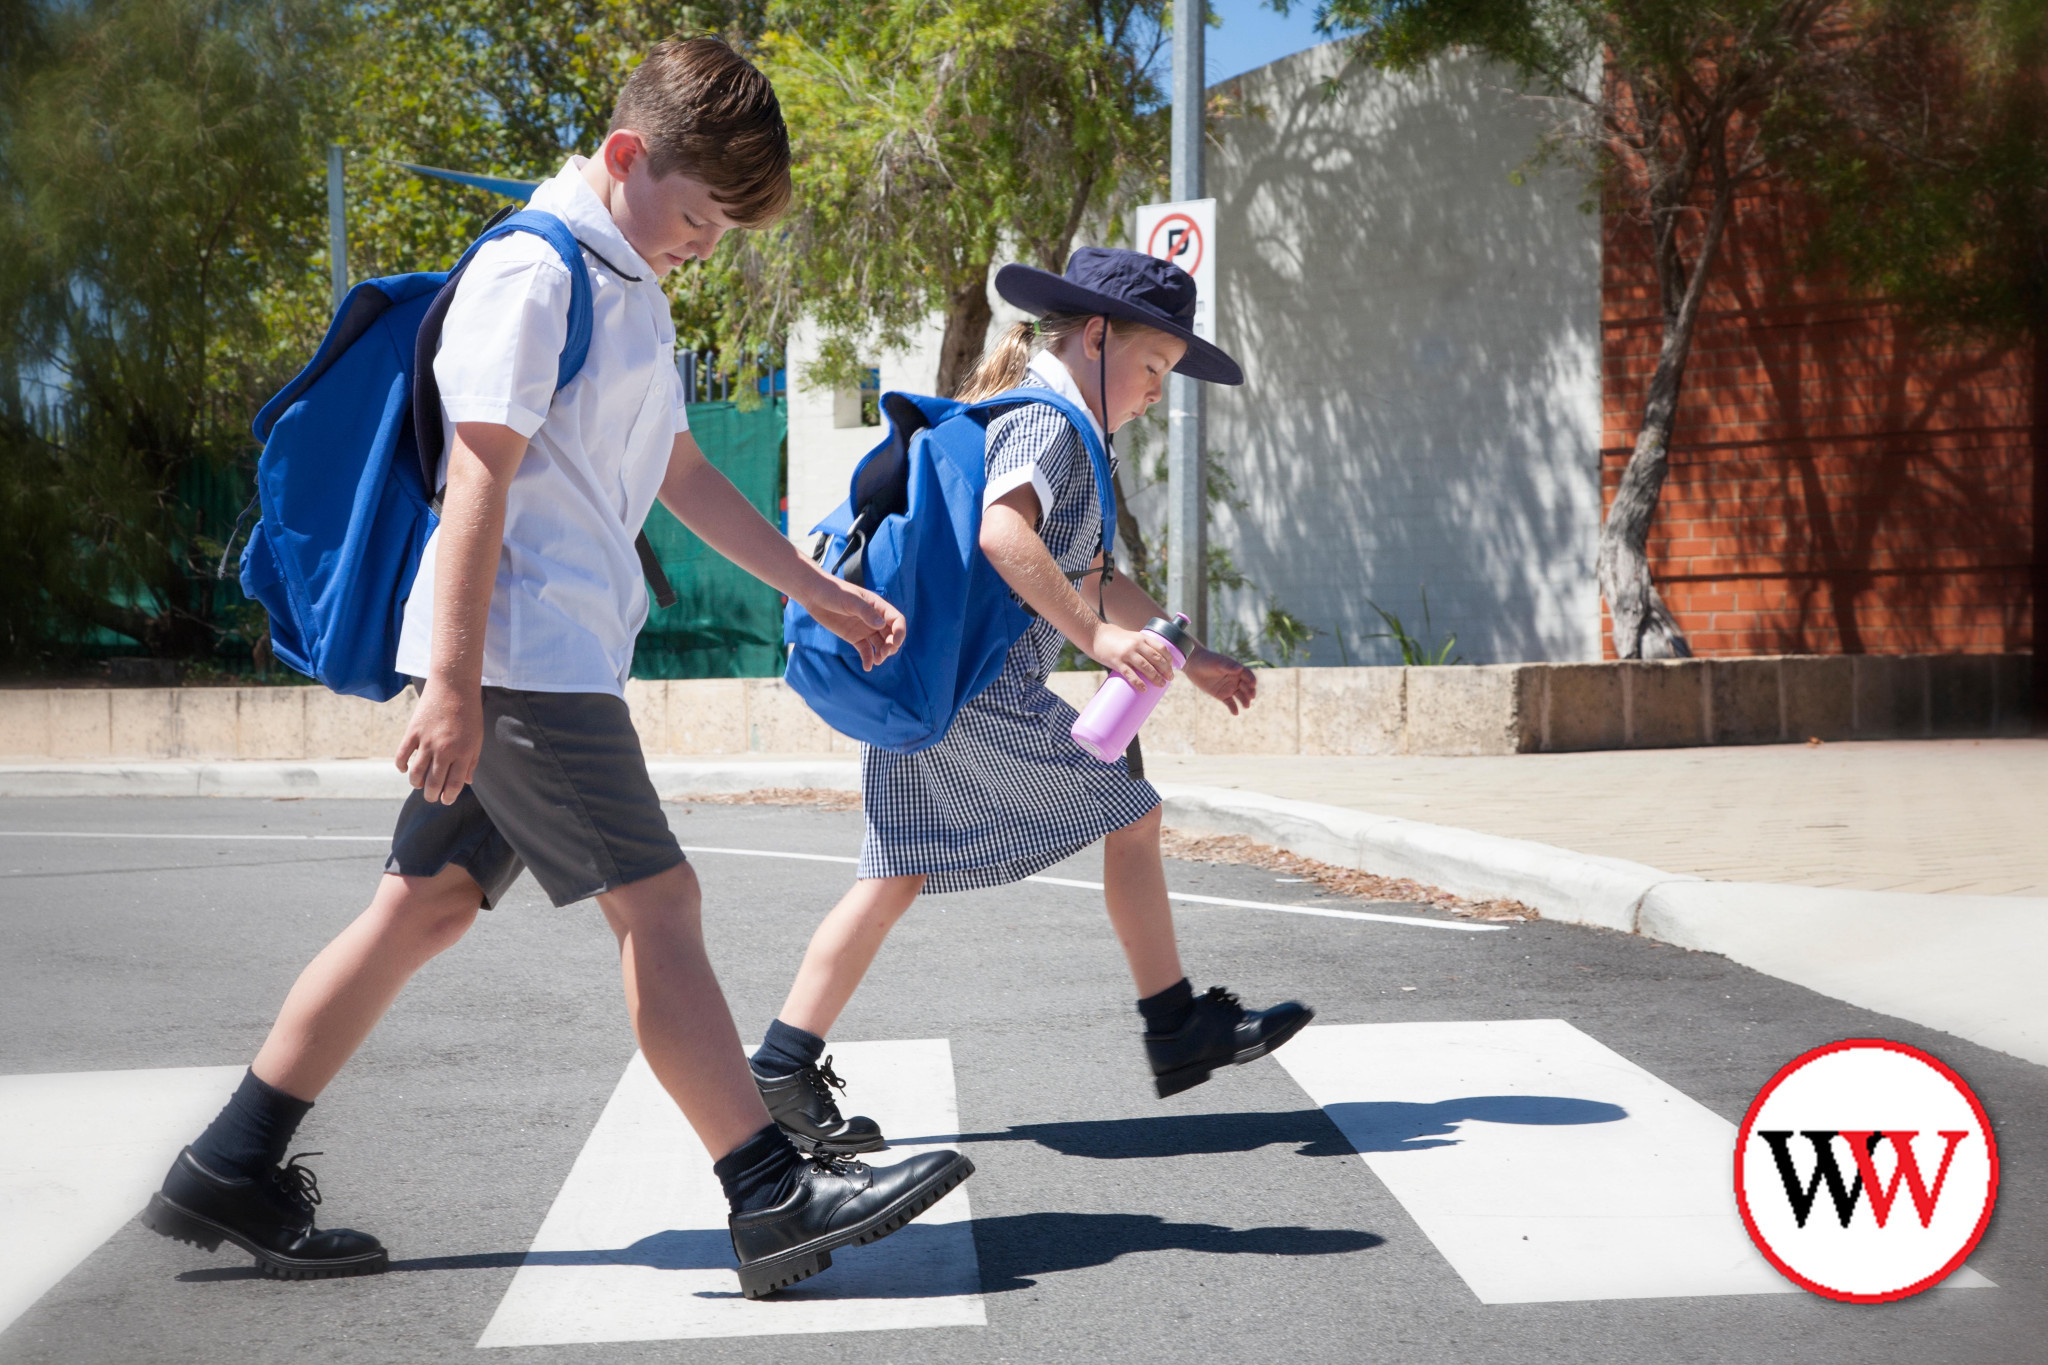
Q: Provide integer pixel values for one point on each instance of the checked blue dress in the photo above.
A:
(1007, 792)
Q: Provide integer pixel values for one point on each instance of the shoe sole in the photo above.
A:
(807, 1145)
(767, 1275)
(1170, 1083)
(161, 1216)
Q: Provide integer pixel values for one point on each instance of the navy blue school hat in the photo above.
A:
(1123, 284)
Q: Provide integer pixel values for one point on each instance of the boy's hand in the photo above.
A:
(857, 616)
(443, 741)
(1133, 655)
(1223, 678)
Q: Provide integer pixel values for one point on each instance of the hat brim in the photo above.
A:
(1040, 291)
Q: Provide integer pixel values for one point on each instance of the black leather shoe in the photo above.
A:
(269, 1216)
(802, 1103)
(1219, 1032)
(837, 1202)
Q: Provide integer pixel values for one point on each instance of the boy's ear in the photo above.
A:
(622, 150)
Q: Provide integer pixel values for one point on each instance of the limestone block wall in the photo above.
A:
(1494, 709)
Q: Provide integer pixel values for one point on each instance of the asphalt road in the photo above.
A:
(1232, 1222)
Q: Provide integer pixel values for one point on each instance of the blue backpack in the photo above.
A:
(910, 531)
(351, 448)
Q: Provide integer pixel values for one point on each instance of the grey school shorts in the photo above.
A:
(561, 787)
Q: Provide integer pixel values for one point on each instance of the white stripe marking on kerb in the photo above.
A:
(635, 1247)
(1543, 1165)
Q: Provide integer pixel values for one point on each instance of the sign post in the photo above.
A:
(1187, 226)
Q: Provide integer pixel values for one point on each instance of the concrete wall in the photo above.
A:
(1420, 337)
(1495, 709)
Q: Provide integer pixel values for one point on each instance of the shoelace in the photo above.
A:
(1223, 999)
(836, 1163)
(825, 1080)
(298, 1182)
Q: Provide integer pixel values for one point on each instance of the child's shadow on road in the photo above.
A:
(1378, 1126)
(1014, 1248)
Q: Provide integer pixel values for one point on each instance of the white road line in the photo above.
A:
(214, 838)
(635, 1247)
(772, 853)
(1192, 899)
(1544, 1166)
(80, 1153)
(1186, 896)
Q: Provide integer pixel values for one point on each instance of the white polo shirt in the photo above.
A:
(569, 597)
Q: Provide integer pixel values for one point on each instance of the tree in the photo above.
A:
(1665, 103)
(510, 88)
(157, 190)
(1926, 149)
(929, 137)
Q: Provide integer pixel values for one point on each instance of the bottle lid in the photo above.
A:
(1174, 632)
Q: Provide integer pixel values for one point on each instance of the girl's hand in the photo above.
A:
(1132, 655)
(855, 615)
(1223, 678)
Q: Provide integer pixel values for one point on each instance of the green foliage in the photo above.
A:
(158, 202)
(1926, 146)
(510, 88)
(930, 135)
(1416, 651)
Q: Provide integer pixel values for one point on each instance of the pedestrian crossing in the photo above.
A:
(80, 1152)
(1541, 1165)
(635, 1247)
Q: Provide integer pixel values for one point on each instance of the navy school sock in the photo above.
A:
(786, 1049)
(251, 1132)
(1169, 1009)
(759, 1173)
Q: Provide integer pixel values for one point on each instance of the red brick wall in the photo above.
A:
(1839, 483)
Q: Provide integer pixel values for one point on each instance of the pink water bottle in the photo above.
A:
(1106, 725)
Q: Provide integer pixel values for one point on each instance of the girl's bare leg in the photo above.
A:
(1134, 889)
(843, 948)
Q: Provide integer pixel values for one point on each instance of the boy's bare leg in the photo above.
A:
(344, 991)
(843, 948)
(1134, 889)
(679, 1012)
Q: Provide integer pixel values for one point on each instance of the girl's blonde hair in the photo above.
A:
(1003, 364)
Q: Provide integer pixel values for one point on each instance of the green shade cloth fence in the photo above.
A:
(725, 623)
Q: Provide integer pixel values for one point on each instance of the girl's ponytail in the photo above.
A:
(1001, 366)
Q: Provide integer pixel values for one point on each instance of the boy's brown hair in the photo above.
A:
(708, 112)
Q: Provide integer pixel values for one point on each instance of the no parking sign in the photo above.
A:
(1185, 233)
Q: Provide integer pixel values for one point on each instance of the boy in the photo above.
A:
(521, 623)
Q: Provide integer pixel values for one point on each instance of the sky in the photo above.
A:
(1252, 35)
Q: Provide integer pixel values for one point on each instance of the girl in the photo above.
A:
(1008, 792)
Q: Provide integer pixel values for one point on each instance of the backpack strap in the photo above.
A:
(426, 402)
(1098, 458)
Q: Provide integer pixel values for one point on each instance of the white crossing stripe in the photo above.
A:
(635, 1247)
(80, 1153)
(1543, 1165)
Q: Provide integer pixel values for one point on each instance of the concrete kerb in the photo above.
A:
(1970, 965)
(1576, 887)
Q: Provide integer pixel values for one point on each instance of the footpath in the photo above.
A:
(1906, 877)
